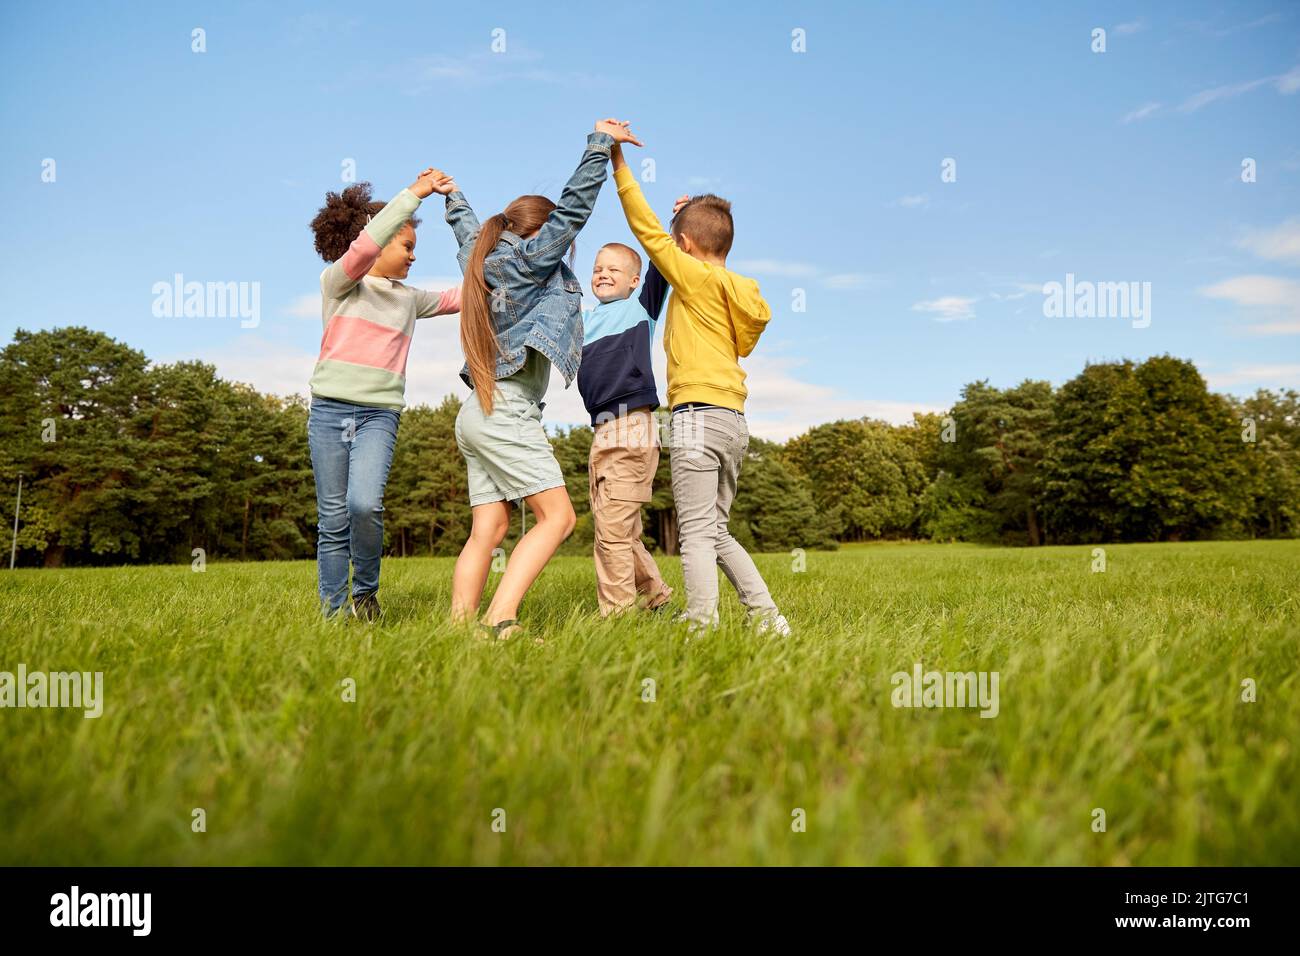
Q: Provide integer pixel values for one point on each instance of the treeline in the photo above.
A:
(128, 461)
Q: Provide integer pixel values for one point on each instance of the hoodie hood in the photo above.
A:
(748, 309)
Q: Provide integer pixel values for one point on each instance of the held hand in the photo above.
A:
(425, 182)
(679, 203)
(619, 129)
(443, 185)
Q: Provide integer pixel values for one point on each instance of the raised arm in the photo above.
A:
(654, 291)
(464, 224)
(681, 270)
(544, 251)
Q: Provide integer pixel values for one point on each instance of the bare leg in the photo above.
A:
(555, 520)
(491, 522)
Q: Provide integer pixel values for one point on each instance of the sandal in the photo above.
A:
(501, 628)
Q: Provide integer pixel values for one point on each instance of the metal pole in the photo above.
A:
(13, 549)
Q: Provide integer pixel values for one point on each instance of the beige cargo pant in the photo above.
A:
(624, 457)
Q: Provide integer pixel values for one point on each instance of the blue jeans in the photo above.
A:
(351, 451)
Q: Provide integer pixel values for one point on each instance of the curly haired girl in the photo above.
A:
(359, 384)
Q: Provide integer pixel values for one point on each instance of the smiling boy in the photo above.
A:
(617, 386)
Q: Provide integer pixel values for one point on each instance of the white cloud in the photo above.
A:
(948, 308)
(1128, 29)
(1141, 113)
(1205, 26)
(1285, 83)
(271, 367)
(1289, 81)
(517, 65)
(912, 201)
(785, 269)
(852, 280)
(434, 283)
(1022, 289)
(1280, 244)
(304, 307)
(417, 76)
(1205, 97)
(1275, 328)
(781, 405)
(1274, 301)
(433, 365)
(1256, 290)
(315, 27)
(1257, 376)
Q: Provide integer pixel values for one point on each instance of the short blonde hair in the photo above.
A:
(626, 250)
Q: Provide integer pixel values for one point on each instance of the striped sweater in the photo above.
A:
(369, 320)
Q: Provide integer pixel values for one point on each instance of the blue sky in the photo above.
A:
(1122, 166)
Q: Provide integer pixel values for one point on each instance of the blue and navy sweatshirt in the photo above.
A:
(615, 374)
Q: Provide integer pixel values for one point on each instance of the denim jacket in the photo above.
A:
(536, 299)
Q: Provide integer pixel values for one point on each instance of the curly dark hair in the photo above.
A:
(342, 218)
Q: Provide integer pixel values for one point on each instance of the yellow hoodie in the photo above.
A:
(715, 316)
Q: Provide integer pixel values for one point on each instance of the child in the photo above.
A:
(714, 318)
(618, 387)
(521, 315)
(359, 383)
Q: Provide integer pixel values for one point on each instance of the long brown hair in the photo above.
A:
(478, 335)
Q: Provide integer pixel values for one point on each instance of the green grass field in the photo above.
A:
(1118, 690)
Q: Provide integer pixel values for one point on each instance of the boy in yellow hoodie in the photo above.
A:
(714, 318)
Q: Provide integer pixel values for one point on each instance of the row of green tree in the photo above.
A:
(124, 460)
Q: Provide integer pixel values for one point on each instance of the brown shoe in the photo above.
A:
(657, 604)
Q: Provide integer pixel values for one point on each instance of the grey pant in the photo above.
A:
(707, 446)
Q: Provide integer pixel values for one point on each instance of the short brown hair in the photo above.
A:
(626, 250)
(707, 220)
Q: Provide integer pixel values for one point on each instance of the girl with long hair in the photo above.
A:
(521, 314)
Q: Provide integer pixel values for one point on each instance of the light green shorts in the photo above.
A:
(507, 454)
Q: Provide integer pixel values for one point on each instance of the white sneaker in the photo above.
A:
(773, 624)
(695, 628)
